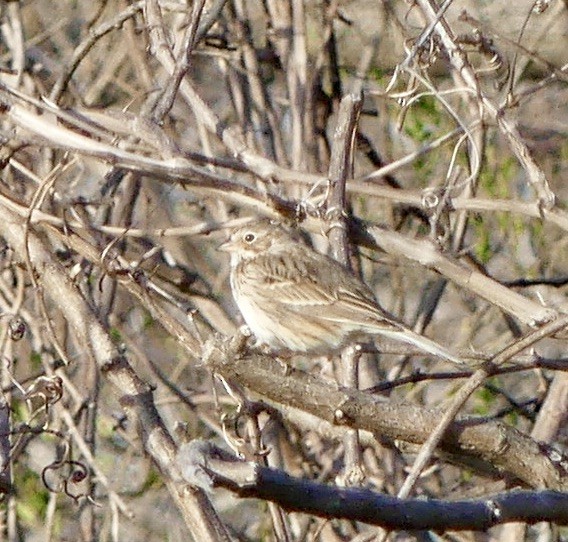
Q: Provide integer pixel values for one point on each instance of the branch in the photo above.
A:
(498, 445)
(207, 466)
(135, 394)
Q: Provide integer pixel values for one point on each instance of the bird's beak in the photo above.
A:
(227, 246)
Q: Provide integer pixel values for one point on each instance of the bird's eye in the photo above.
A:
(249, 237)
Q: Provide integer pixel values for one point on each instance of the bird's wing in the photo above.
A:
(329, 290)
(361, 305)
(290, 281)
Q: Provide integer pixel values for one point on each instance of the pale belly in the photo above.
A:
(285, 330)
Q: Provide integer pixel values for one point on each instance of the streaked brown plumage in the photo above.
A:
(293, 298)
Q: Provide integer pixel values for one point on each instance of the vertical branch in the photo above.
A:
(336, 211)
(16, 38)
(297, 79)
(280, 14)
(268, 128)
(331, 50)
(279, 519)
(339, 171)
(182, 64)
(5, 431)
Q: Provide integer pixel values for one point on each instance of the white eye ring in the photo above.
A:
(249, 238)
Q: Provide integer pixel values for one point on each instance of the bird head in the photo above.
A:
(256, 238)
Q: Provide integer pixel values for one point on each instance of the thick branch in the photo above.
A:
(207, 466)
(493, 442)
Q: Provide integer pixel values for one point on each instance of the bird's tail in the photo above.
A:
(410, 337)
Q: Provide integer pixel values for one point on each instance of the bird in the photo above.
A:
(296, 300)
